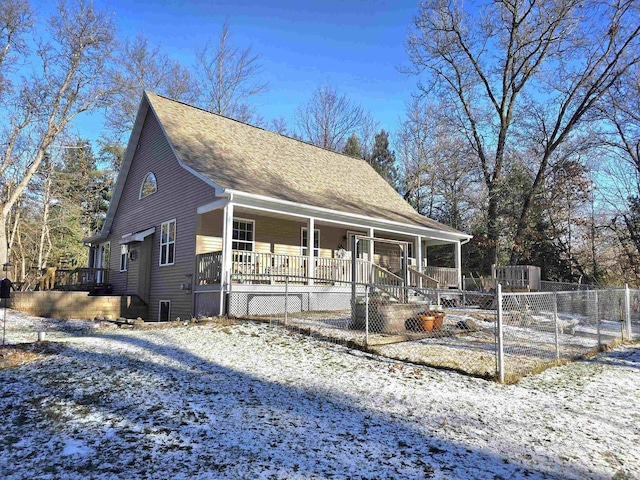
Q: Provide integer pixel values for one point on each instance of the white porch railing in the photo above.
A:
(274, 265)
(269, 266)
(445, 276)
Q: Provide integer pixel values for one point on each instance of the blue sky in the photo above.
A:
(354, 45)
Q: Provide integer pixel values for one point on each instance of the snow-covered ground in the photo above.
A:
(251, 401)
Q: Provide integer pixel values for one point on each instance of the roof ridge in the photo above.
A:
(256, 127)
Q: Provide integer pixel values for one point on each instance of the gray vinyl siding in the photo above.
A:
(178, 195)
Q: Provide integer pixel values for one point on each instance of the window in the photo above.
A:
(149, 185)
(167, 243)
(316, 242)
(164, 311)
(243, 234)
(124, 257)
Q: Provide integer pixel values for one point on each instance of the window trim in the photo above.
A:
(316, 250)
(160, 302)
(124, 257)
(149, 176)
(175, 241)
(253, 241)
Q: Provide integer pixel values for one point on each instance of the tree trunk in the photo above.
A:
(4, 244)
(493, 229)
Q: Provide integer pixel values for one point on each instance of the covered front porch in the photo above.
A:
(252, 241)
(257, 267)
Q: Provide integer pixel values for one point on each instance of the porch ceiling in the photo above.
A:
(300, 213)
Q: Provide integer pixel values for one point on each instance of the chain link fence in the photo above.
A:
(541, 329)
(503, 336)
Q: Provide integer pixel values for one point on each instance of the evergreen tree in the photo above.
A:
(81, 195)
(383, 160)
(353, 147)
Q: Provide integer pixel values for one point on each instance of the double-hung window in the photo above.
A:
(168, 243)
(305, 242)
(243, 234)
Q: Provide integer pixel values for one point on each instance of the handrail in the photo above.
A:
(395, 288)
(430, 282)
(445, 276)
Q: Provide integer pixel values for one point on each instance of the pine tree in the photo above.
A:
(353, 147)
(383, 160)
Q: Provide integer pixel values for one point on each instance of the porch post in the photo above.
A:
(371, 250)
(227, 258)
(311, 263)
(458, 260)
(419, 258)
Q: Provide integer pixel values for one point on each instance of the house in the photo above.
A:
(201, 197)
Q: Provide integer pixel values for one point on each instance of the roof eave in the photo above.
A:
(288, 207)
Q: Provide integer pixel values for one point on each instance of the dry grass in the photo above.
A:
(12, 356)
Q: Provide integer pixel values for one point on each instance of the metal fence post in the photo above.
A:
(366, 315)
(627, 310)
(555, 321)
(595, 292)
(500, 352)
(286, 300)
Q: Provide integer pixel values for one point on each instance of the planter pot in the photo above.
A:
(425, 322)
(438, 322)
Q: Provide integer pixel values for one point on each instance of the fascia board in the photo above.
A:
(215, 205)
(360, 221)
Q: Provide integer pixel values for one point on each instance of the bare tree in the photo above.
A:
(278, 125)
(15, 20)
(329, 118)
(70, 79)
(229, 78)
(621, 109)
(521, 77)
(435, 172)
(141, 66)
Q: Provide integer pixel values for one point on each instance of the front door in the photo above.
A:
(139, 269)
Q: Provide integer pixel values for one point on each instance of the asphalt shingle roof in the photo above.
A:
(249, 159)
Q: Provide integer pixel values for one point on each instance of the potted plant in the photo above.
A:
(425, 321)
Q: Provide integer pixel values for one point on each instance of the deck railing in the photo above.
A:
(254, 266)
(422, 280)
(79, 278)
(209, 268)
(445, 276)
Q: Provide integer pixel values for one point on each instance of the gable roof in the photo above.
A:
(236, 156)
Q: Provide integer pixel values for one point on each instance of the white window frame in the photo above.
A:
(160, 302)
(304, 251)
(246, 242)
(124, 257)
(148, 176)
(165, 261)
